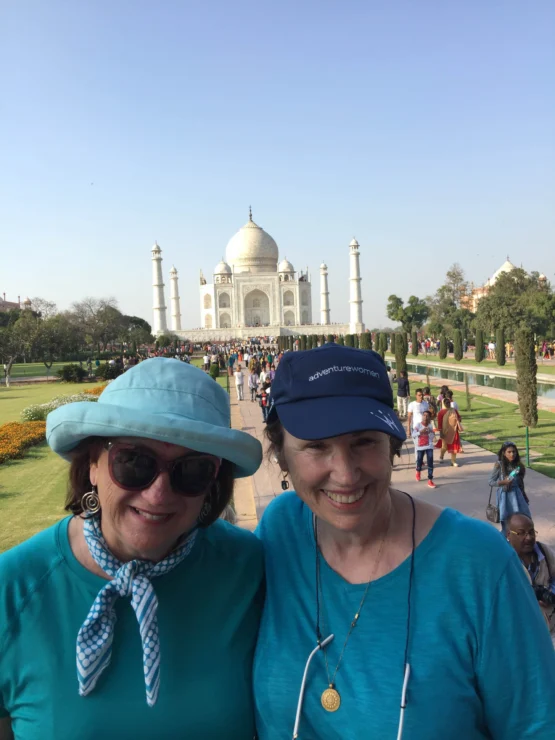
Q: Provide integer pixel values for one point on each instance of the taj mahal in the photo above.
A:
(253, 293)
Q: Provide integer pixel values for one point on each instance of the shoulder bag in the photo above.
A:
(492, 511)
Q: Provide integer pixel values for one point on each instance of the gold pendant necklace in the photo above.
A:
(331, 699)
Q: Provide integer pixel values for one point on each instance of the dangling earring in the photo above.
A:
(285, 482)
(204, 512)
(90, 503)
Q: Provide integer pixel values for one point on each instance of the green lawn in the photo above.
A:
(547, 368)
(492, 422)
(35, 369)
(14, 399)
(32, 493)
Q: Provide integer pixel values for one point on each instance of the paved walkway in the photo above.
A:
(464, 488)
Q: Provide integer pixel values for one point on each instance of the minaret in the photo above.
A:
(324, 295)
(355, 324)
(174, 298)
(159, 325)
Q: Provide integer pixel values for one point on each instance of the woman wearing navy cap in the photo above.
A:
(136, 616)
(385, 617)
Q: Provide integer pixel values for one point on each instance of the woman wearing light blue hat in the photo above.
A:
(385, 617)
(136, 617)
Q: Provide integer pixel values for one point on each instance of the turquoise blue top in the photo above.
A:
(482, 661)
(208, 616)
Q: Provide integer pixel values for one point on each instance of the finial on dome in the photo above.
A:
(250, 213)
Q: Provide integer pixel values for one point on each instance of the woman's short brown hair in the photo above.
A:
(88, 451)
(274, 434)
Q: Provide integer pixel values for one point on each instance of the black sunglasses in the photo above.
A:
(136, 468)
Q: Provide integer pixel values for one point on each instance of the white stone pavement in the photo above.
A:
(464, 488)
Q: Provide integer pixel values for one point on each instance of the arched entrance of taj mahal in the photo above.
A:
(257, 309)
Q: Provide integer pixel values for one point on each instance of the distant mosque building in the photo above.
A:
(252, 293)
(471, 300)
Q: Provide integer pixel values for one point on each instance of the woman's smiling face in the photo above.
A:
(342, 479)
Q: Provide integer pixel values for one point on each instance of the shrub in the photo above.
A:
(16, 437)
(214, 371)
(526, 382)
(500, 354)
(341, 340)
(392, 345)
(414, 340)
(330, 338)
(400, 354)
(442, 346)
(479, 349)
(383, 344)
(457, 345)
(71, 373)
(108, 372)
(39, 411)
(303, 341)
(365, 341)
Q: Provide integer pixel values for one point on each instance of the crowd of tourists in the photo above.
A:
(355, 610)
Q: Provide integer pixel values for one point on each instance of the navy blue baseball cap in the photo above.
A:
(333, 390)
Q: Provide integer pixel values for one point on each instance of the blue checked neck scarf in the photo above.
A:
(132, 579)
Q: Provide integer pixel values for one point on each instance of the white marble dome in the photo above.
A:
(252, 250)
(222, 268)
(285, 266)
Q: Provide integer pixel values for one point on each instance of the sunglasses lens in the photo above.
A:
(133, 468)
(192, 475)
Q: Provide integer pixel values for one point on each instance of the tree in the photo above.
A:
(442, 346)
(517, 301)
(526, 383)
(500, 354)
(365, 341)
(341, 340)
(45, 309)
(290, 342)
(392, 343)
(447, 308)
(412, 316)
(414, 340)
(356, 341)
(457, 345)
(303, 341)
(383, 344)
(349, 341)
(98, 318)
(479, 349)
(400, 354)
(330, 338)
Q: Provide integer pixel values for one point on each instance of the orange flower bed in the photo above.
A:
(16, 437)
(95, 391)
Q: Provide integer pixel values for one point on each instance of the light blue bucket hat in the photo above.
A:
(162, 399)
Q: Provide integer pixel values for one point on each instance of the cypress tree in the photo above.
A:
(392, 345)
(479, 349)
(365, 341)
(303, 341)
(341, 340)
(383, 344)
(526, 383)
(500, 354)
(414, 340)
(331, 338)
(458, 345)
(309, 341)
(349, 341)
(314, 341)
(322, 340)
(356, 341)
(400, 354)
(442, 346)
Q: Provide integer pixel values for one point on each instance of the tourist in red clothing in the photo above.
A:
(449, 425)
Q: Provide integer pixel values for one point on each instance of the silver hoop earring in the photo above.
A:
(90, 503)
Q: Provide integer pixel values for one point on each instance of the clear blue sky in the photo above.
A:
(425, 129)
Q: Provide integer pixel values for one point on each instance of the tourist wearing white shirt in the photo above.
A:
(415, 411)
(239, 380)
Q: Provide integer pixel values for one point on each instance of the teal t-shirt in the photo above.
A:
(482, 661)
(208, 617)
